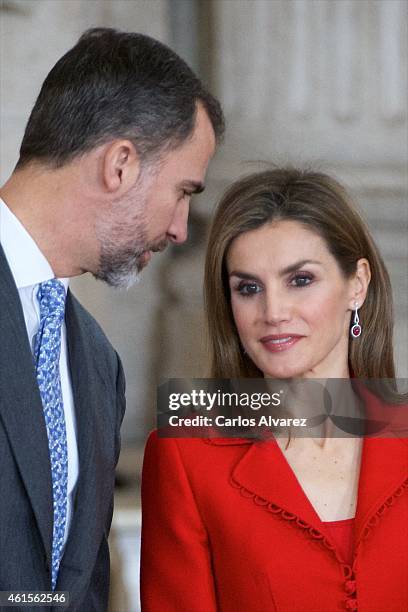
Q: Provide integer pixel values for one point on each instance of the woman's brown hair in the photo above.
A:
(320, 203)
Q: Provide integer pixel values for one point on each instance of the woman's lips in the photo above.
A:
(279, 343)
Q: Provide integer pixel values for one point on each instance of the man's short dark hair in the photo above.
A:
(114, 84)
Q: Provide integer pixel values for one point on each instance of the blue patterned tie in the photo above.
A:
(51, 296)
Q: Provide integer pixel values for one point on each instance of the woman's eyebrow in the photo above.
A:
(297, 265)
(243, 275)
(292, 268)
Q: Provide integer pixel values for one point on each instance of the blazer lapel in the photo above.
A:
(21, 407)
(384, 470)
(263, 470)
(384, 461)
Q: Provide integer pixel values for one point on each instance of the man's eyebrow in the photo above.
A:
(193, 186)
(292, 268)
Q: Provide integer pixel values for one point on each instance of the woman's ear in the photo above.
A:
(120, 166)
(360, 282)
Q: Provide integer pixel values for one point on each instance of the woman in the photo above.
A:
(295, 288)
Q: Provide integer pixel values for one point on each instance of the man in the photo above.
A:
(118, 140)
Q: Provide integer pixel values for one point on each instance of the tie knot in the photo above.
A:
(51, 296)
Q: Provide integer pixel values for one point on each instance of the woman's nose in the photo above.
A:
(277, 308)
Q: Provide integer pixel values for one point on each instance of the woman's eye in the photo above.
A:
(248, 288)
(301, 280)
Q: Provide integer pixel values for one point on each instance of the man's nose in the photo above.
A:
(177, 231)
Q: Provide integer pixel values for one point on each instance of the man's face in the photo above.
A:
(155, 211)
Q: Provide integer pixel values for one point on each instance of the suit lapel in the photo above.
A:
(21, 408)
(96, 454)
(79, 366)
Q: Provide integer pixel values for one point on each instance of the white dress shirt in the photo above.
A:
(30, 268)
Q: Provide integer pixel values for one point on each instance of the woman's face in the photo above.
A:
(290, 301)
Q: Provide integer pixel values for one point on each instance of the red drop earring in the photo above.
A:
(355, 331)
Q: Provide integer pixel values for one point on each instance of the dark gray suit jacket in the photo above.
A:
(25, 476)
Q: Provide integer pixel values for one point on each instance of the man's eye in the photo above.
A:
(301, 280)
(248, 289)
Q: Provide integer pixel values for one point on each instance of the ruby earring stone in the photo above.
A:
(356, 331)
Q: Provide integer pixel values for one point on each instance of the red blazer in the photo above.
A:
(227, 528)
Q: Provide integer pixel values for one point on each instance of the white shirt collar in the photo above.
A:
(27, 263)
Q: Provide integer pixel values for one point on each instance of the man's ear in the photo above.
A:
(360, 282)
(120, 166)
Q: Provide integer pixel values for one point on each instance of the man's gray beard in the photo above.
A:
(119, 269)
